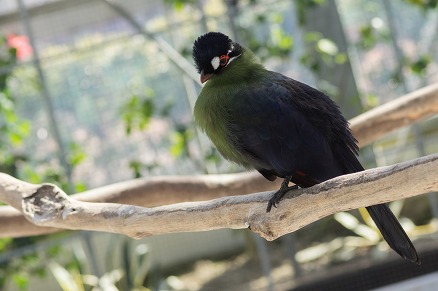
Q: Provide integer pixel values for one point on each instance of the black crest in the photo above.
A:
(208, 46)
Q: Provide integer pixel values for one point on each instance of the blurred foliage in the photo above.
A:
(419, 65)
(424, 4)
(180, 140)
(263, 31)
(303, 6)
(136, 267)
(43, 171)
(72, 280)
(325, 48)
(136, 112)
(13, 129)
(375, 35)
(127, 267)
(276, 43)
(370, 101)
(19, 269)
(372, 33)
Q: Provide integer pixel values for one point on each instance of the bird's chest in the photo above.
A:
(213, 114)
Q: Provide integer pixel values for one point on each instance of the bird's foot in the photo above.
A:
(276, 198)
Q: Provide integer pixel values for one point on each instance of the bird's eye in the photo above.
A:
(223, 60)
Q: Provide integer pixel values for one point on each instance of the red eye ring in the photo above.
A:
(223, 60)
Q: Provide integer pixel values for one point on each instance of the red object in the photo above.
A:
(21, 44)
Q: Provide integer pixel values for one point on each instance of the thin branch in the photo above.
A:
(403, 111)
(47, 205)
(179, 60)
(148, 192)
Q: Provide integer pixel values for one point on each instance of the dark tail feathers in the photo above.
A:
(393, 232)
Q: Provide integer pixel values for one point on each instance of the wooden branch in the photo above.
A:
(47, 205)
(403, 111)
(150, 191)
(147, 192)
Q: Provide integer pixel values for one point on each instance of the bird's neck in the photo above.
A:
(244, 69)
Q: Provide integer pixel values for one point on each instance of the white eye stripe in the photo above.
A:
(215, 62)
(232, 59)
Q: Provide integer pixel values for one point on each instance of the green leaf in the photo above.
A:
(277, 18)
(137, 113)
(21, 280)
(178, 145)
(76, 154)
(180, 140)
(5, 242)
(312, 37)
(366, 31)
(419, 66)
(80, 187)
(178, 4)
(136, 166)
(213, 156)
(147, 109)
(341, 58)
(15, 138)
(371, 101)
(285, 42)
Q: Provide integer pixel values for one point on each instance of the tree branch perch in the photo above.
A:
(47, 205)
(149, 192)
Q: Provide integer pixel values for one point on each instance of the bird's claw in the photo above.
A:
(270, 204)
(276, 198)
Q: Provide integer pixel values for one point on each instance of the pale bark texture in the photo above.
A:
(47, 205)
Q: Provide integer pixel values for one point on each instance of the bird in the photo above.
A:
(283, 128)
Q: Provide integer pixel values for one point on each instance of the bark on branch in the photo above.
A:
(403, 111)
(47, 205)
(149, 192)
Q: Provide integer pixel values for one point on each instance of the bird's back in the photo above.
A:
(280, 126)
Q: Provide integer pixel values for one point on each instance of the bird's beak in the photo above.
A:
(205, 77)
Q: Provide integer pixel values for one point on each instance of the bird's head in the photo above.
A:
(213, 52)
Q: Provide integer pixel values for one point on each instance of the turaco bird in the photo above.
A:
(283, 128)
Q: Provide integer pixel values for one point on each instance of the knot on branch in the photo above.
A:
(47, 202)
(260, 223)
